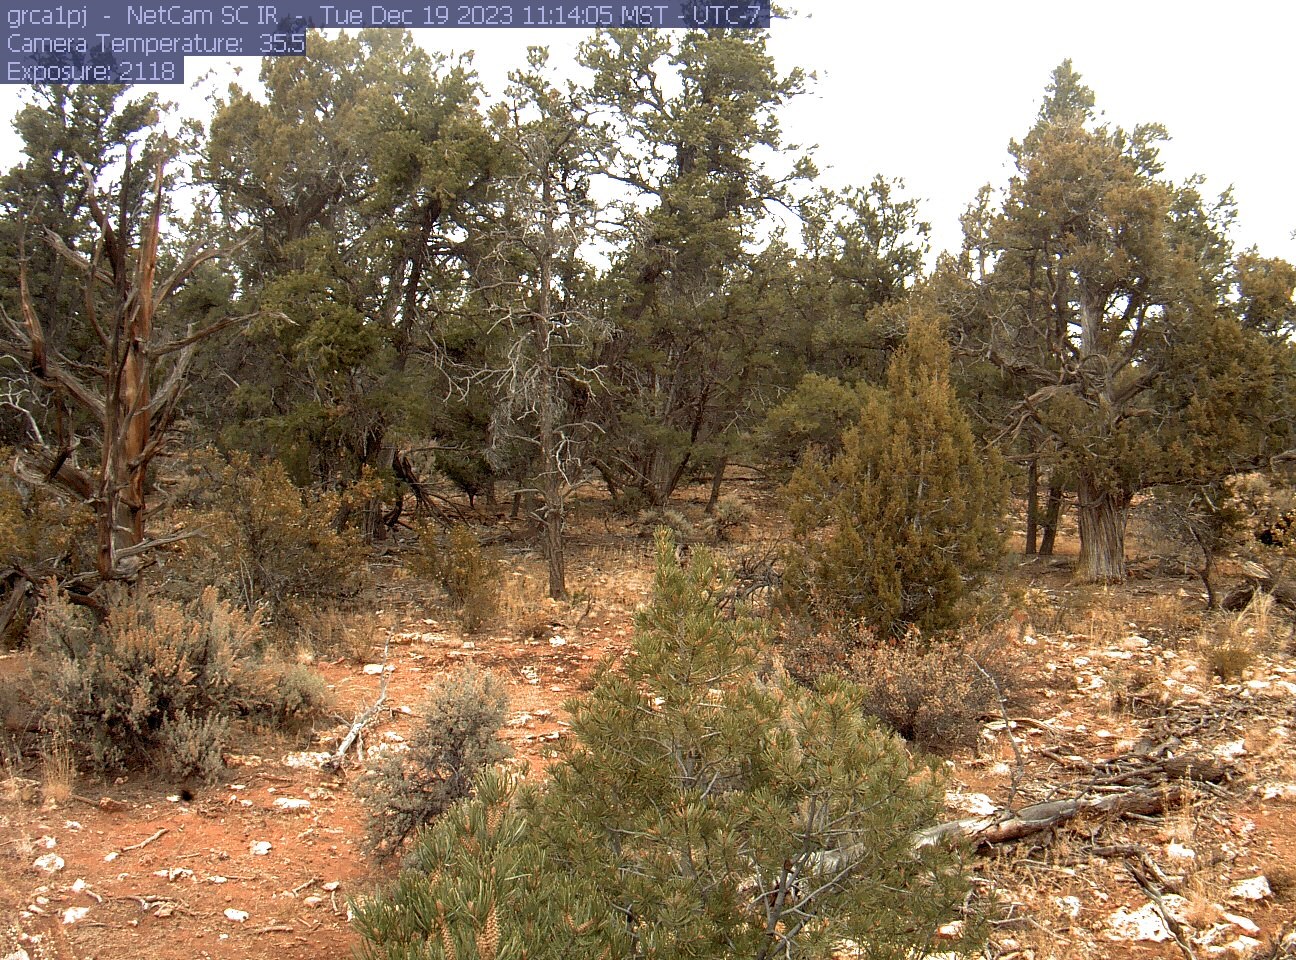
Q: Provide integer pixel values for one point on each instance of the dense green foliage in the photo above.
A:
(888, 529)
(1121, 338)
(379, 276)
(706, 806)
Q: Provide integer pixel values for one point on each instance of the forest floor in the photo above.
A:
(261, 864)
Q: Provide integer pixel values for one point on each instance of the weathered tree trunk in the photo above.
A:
(1102, 515)
(717, 479)
(1052, 514)
(129, 418)
(1032, 507)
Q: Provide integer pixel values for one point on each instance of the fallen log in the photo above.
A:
(1039, 817)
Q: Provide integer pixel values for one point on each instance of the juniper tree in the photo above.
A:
(1110, 299)
(705, 806)
(889, 529)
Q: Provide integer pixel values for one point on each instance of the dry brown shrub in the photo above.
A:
(935, 693)
(264, 542)
(932, 691)
(470, 576)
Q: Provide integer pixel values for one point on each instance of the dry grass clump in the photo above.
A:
(1230, 644)
(522, 594)
(58, 770)
(1172, 617)
(332, 633)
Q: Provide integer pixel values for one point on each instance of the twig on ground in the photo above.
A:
(146, 841)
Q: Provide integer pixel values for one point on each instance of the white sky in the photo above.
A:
(933, 90)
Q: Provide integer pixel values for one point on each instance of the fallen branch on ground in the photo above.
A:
(363, 719)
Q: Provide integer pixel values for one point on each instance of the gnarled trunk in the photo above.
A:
(1102, 514)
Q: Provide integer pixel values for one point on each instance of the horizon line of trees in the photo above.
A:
(598, 279)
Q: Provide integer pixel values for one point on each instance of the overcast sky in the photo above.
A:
(933, 90)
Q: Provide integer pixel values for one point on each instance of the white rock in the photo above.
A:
(238, 916)
(1244, 924)
(1279, 791)
(291, 804)
(260, 848)
(313, 901)
(47, 843)
(330, 886)
(306, 758)
(373, 669)
(111, 856)
(557, 641)
(1256, 888)
(49, 863)
(952, 930)
(19, 954)
(73, 914)
(977, 804)
(1242, 947)
(217, 879)
(1145, 923)
(1070, 905)
(1234, 748)
(1180, 852)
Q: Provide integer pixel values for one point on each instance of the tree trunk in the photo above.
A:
(717, 478)
(1102, 514)
(551, 455)
(1032, 508)
(1052, 514)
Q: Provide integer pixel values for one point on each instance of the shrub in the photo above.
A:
(287, 696)
(454, 741)
(888, 530)
(41, 536)
(158, 679)
(931, 691)
(193, 745)
(470, 577)
(266, 542)
(933, 694)
(811, 419)
(142, 679)
(703, 808)
(727, 519)
(675, 521)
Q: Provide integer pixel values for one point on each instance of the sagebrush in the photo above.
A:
(160, 681)
(452, 742)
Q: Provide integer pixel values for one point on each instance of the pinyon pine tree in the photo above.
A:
(705, 807)
(910, 507)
